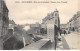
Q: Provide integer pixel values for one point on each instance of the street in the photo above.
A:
(69, 42)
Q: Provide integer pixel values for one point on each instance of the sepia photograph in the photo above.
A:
(39, 25)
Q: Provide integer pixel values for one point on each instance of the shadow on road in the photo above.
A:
(48, 46)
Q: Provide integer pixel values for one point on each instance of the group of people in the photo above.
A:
(64, 32)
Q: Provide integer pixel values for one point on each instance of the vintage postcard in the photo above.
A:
(39, 24)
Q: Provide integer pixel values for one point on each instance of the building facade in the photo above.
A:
(53, 20)
(78, 21)
(4, 20)
(73, 25)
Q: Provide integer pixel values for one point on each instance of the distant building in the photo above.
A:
(11, 27)
(11, 24)
(64, 27)
(37, 25)
(78, 21)
(35, 28)
(73, 25)
(4, 21)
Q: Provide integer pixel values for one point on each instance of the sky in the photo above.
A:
(29, 13)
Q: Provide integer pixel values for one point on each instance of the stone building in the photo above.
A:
(73, 25)
(78, 15)
(51, 19)
(4, 21)
(11, 24)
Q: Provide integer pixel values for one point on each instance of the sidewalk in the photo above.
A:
(69, 42)
(73, 41)
(63, 45)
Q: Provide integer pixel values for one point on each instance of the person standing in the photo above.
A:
(60, 32)
(64, 32)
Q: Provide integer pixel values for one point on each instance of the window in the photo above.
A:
(56, 14)
(55, 21)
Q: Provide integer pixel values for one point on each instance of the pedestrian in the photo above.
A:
(64, 32)
(60, 32)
